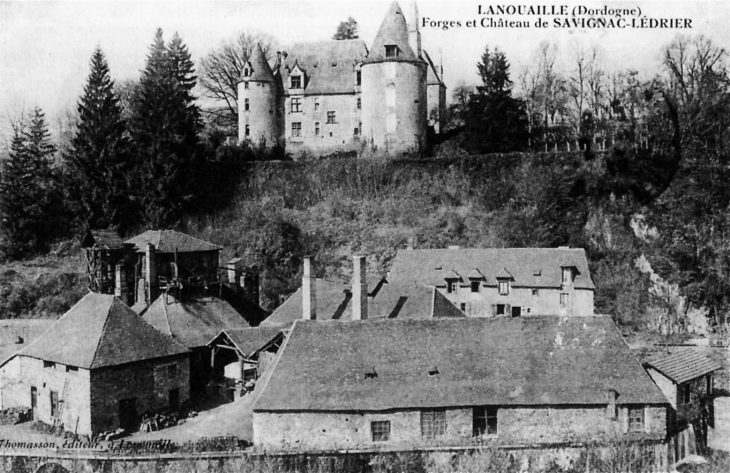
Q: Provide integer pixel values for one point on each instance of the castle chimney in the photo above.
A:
(309, 292)
(359, 290)
(120, 284)
(150, 274)
(414, 34)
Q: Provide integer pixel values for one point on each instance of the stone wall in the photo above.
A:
(545, 302)
(666, 385)
(23, 373)
(522, 426)
(331, 137)
(148, 382)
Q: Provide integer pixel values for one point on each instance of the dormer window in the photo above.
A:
(246, 72)
(503, 287)
(567, 275)
(358, 78)
(475, 286)
(296, 82)
(450, 287)
(391, 50)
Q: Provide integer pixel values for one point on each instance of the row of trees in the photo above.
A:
(148, 167)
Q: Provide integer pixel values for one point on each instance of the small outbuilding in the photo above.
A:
(97, 368)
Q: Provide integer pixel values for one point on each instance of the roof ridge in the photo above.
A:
(272, 369)
(103, 331)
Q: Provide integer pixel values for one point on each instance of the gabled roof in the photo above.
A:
(334, 302)
(453, 275)
(329, 66)
(194, 322)
(419, 266)
(167, 241)
(504, 274)
(108, 239)
(393, 31)
(475, 274)
(684, 366)
(248, 340)
(99, 331)
(433, 77)
(534, 361)
(260, 69)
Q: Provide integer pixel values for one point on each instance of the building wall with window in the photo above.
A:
(22, 374)
(326, 123)
(489, 302)
(148, 382)
(525, 426)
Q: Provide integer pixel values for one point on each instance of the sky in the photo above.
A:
(46, 46)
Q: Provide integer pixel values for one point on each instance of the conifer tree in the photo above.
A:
(99, 155)
(29, 197)
(164, 127)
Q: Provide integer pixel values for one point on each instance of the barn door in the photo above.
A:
(128, 414)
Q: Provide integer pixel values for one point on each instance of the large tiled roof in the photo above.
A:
(684, 366)
(393, 31)
(101, 331)
(529, 267)
(167, 241)
(391, 301)
(108, 239)
(547, 360)
(193, 322)
(329, 66)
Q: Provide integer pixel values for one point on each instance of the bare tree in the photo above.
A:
(529, 80)
(220, 74)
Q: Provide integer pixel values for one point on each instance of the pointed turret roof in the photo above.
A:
(393, 31)
(260, 69)
(101, 331)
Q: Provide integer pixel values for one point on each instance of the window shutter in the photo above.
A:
(494, 310)
(508, 310)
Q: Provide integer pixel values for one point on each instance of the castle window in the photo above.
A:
(248, 131)
(245, 72)
(564, 299)
(536, 292)
(358, 78)
(433, 423)
(296, 129)
(484, 421)
(245, 105)
(450, 286)
(359, 104)
(475, 286)
(316, 104)
(316, 128)
(296, 82)
(355, 131)
(296, 104)
(380, 430)
(331, 117)
(567, 275)
(636, 419)
(391, 50)
(245, 85)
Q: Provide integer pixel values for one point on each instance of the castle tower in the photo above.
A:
(394, 109)
(258, 117)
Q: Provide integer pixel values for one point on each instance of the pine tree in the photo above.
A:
(29, 196)
(164, 127)
(99, 155)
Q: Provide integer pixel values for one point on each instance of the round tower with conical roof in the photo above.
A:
(394, 110)
(258, 116)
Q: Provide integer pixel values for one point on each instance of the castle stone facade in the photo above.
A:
(331, 96)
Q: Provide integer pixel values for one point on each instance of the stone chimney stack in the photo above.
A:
(414, 34)
(359, 289)
(120, 284)
(150, 274)
(309, 292)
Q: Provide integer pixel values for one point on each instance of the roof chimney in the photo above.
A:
(150, 274)
(309, 292)
(359, 290)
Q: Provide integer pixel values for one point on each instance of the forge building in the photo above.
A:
(549, 382)
(334, 96)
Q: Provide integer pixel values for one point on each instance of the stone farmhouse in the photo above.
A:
(97, 368)
(364, 298)
(687, 380)
(529, 383)
(489, 282)
(332, 96)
